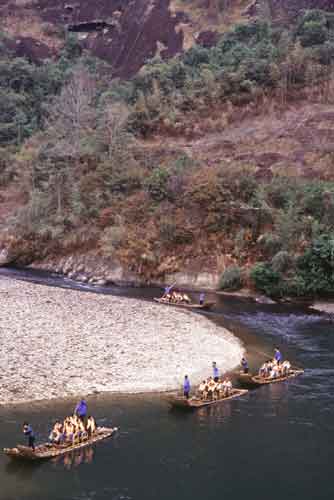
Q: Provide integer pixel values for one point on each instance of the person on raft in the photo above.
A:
(278, 356)
(186, 387)
(215, 371)
(56, 435)
(27, 431)
(244, 365)
(167, 290)
(91, 425)
(81, 410)
(201, 298)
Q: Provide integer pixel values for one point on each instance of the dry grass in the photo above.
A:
(202, 19)
(27, 24)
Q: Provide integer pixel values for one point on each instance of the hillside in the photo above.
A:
(128, 33)
(211, 165)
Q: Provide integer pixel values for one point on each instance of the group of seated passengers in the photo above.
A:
(72, 430)
(209, 389)
(272, 369)
(177, 298)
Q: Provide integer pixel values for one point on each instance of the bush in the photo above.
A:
(231, 279)
(281, 261)
(293, 287)
(316, 266)
(270, 243)
(157, 184)
(312, 29)
(172, 231)
(265, 279)
(112, 238)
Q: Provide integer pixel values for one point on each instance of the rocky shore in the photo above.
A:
(60, 343)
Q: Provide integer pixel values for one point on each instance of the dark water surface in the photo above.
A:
(277, 442)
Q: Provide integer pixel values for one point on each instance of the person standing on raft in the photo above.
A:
(244, 364)
(215, 372)
(81, 410)
(186, 387)
(278, 356)
(27, 431)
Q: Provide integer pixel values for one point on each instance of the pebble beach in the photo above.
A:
(59, 343)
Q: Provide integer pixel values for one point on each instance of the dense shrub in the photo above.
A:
(231, 279)
(281, 261)
(157, 184)
(312, 28)
(265, 279)
(270, 244)
(316, 266)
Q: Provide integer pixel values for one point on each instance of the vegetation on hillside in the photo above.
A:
(72, 141)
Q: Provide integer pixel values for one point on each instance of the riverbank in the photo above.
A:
(63, 343)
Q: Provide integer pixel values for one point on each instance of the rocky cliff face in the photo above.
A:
(124, 33)
(128, 32)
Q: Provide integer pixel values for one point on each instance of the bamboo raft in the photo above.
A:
(252, 381)
(205, 306)
(193, 403)
(48, 450)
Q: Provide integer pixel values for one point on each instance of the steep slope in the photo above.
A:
(297, 140)
(220, 157)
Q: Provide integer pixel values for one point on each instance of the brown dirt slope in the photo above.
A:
(297, 141)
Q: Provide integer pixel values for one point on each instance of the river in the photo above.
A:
(274, 443)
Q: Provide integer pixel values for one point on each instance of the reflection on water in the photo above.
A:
(74, 458)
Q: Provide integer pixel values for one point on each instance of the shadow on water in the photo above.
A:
(23, 469)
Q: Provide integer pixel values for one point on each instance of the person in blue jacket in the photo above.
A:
(186, 387)
(27, 431)
(244, 365)
(215, 372)
(278, 356)
(81, 409)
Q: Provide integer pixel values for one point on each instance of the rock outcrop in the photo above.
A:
(127, 33)
(124, 33)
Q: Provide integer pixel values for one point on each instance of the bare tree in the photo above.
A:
(112, 127)
(71, 115)
(71, 121)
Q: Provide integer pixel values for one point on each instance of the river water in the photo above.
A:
(274, 443)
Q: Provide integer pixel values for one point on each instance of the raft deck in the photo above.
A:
(205, 306)
(262, 381)
(248, 380)
(193, 403)
(48, 450)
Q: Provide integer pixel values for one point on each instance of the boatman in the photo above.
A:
(27, 431)
(215, 372)
(278, 356)
(168, 289)
(81, 410)
(186, 387)
(201, 298)
(244, 364)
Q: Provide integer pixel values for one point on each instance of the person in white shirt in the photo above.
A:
(202, 389)
(286, 367)
(228, 387)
